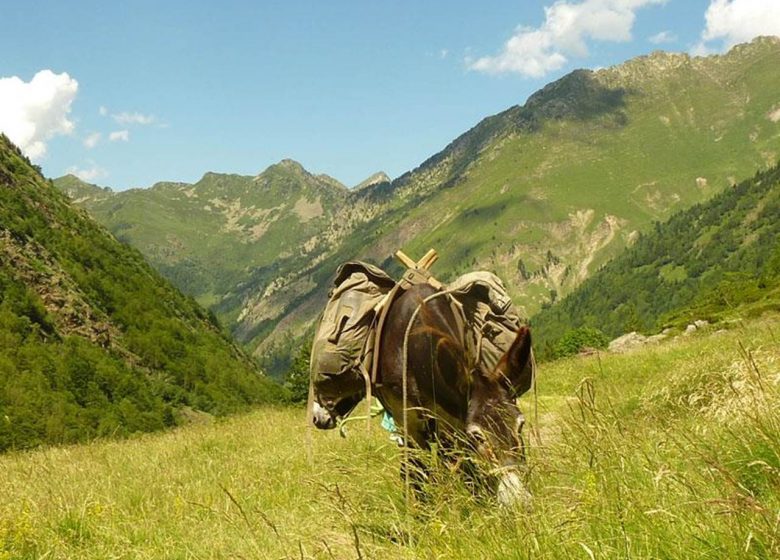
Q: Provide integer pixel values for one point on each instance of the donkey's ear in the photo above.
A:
(515, 366)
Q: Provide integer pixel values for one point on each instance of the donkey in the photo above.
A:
(445, 395)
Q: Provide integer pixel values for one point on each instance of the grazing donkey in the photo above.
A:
(435, 390)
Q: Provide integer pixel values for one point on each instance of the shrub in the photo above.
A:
(575, 340)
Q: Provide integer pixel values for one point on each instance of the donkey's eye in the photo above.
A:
(476, 434)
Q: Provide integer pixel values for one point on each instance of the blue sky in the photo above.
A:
(170, 90)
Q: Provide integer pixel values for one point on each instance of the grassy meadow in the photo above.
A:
(668, 451)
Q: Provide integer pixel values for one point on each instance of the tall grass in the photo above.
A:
(670, 451)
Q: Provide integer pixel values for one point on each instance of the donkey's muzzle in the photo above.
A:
(323, 418)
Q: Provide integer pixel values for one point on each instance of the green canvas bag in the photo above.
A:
(345, 331)
(491, 319)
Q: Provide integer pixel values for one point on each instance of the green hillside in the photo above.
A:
(209, 236)
(543, 194)
(546, 193)
(564, 182)
(705, 261)
(93, 342)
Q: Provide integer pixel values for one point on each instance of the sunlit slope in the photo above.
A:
(546, 193)
(705, 262)
(209, 236)
(566, 196)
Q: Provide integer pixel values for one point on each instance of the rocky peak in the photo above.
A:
(577, 95)
(762, 41)
(375, 179)
(77, 188)
(287, 168)
(659, 64)
(326, 179)
(289, 165)
(292, 172)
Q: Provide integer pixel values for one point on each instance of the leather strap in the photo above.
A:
(380, 324)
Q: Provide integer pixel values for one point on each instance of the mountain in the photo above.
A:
(566, 181)
(81, 192)
(544, 193)
(93, 341)
(713, 257)
(207, 237)
(372, 180)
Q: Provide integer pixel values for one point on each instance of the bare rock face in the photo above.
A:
(627, 341)
(656, 338)
(634, 340)
(695, 326)
(375, 179)
(36, 267)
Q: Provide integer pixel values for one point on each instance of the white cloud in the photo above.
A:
(729, 22)
(33, 112)
(662, 37)
(134, 118)
(91, 173)
(567, 28)
(92, 140)
(117, 135)
(443, 53)
(103, 111)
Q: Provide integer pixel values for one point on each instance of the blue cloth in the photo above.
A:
(387, 422)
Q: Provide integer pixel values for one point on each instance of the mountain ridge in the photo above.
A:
(373, 179)
(542, 193)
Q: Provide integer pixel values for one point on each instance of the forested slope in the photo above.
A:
(703, 261)
(93, 341)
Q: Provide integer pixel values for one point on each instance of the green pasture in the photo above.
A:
(667, 451)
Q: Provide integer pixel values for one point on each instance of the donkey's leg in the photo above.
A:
(415, 473)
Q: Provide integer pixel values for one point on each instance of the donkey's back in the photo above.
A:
(422, 349)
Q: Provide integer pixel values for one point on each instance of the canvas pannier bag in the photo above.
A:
(346, 326)
(491, 319)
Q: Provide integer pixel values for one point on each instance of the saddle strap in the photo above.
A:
(380, 324)
(416, 273)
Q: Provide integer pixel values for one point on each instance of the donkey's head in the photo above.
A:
(335, 399)
(495, 423)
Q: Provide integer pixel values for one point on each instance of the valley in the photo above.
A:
(155, 342)
(544, 194)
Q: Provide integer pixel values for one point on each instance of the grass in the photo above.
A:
(669, 451)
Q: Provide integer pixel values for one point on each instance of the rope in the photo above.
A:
(404, 415)
(367, 380)
(374, 411)
(310, 420)
(405, 399)
(536, 398)
(404, 385)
